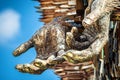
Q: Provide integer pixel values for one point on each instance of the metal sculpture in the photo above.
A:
(63, 38)
(49, 43)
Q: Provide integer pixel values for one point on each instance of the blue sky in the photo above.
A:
(18, 22)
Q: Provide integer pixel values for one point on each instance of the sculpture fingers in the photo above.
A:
(87, 11)
(75, 56)
(23, 48)
(36, 67)
(74, 31)
(28, 68)
(69, 39)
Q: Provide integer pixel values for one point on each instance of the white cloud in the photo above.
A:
(9, 24)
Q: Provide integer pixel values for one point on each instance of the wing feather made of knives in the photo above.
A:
(54, 8)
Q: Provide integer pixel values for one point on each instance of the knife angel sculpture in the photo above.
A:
(72, 28)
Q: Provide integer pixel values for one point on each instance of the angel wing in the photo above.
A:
(54, 8)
